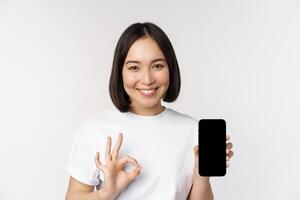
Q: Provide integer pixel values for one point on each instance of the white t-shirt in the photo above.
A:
(162, 145)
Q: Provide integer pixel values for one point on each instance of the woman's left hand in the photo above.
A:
(229, 154)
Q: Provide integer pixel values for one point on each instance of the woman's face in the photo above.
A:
(145, 76)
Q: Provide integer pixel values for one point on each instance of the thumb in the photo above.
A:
(196, 153)
(196, 150)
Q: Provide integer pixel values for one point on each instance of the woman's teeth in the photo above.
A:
(148, 92)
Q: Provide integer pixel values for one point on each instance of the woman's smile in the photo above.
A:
(148, 92)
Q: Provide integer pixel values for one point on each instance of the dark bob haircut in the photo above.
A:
(135, 31)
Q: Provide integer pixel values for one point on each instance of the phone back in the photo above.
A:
(212, 147)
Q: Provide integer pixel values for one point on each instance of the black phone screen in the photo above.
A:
(212, 147)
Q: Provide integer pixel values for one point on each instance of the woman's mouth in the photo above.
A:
(148, 92)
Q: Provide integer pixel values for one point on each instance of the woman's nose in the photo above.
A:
(147, 77)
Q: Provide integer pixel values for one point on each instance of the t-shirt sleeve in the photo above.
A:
(81, 164)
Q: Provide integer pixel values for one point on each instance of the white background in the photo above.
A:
(239, 60)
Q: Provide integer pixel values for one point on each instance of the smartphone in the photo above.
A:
(212, 147)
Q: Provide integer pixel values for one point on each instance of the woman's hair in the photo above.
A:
(135, 31)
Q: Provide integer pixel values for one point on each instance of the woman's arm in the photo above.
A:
(80, 191)
(201, 189)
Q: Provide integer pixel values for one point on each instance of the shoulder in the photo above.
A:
(91, 126)
(186, 124)
(100, 117)
(97, 120)
(181, 120)
(182, 116)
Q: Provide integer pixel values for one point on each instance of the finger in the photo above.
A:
(227, 164)
(97, 158)
(115, 152)
(227, 137)
(196, 153)
(108, 150)
(196, 150)
(128, 159)
(98, 162)
(134, 173)
(228, 147)
(228, 156)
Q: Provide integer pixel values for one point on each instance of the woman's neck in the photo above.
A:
(147, 112)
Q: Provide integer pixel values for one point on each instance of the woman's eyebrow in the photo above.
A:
(158, 59)
(137, 62)
(132, 61)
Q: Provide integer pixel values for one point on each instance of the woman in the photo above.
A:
(156, 159)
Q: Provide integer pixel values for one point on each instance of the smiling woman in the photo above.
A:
(159, 140)
(145, 77)
(140, 48)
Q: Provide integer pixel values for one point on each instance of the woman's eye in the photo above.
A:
(157, 66)
(133, 68)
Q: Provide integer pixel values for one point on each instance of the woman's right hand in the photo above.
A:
(115, 178)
